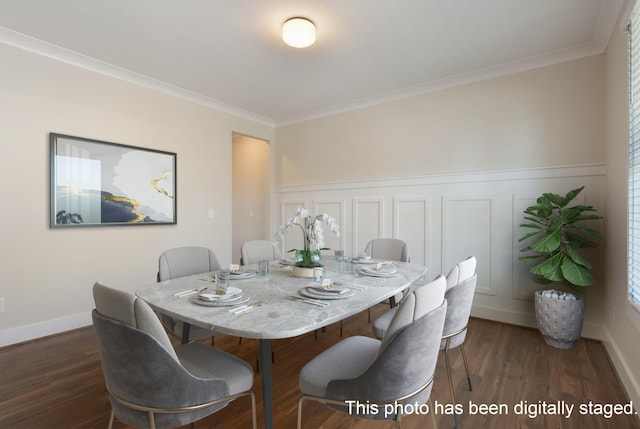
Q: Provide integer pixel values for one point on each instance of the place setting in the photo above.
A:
(381, 269)
(232, 296)
(237, 273)
(223, 295)
(318, 293)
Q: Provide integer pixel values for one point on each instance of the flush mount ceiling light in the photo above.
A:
(298, 32)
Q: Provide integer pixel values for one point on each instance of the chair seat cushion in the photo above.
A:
(207, 362)
(338, 363)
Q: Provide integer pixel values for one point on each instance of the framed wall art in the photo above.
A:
(97, 183)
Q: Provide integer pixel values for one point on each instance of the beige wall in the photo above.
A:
(251, 187)
(46, 274)
(622, 322)
(550, 116)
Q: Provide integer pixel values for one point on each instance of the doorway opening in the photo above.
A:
(250, 191)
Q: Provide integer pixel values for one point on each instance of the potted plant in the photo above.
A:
(309, 257)
(558, 234)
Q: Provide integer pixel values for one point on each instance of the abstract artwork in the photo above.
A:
(96, 183)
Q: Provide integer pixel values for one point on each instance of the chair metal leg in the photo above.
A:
(111, 416)
(433, 413)
(152, 420)
(253, 410)
(466, 367)
(399, 421)
(300, 413)
(449, 374)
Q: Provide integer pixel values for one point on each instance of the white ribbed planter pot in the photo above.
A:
(559, 320)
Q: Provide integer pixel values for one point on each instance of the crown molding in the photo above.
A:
(49, 50)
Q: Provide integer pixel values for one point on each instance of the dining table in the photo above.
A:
(280, 305)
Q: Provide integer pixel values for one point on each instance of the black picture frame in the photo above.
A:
(98, 183)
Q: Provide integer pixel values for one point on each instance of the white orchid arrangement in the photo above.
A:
(311, 227)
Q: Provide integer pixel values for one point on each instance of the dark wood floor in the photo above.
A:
(57, 382)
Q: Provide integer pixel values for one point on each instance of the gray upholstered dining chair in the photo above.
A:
(461, 283)
(460, 299)
(399, 368)
(254, 251)
(151, 384)
(182, 262)
(387, 249)
(460, 272)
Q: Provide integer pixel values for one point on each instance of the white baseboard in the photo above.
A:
(43, 329)
(589, 330)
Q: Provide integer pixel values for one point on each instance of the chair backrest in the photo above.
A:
(415, 305)
(126, 308)
(258, 250)
(388, 248)
(462, 271)
(141, 366)
(186, 261)
(460, 300)
(405, 364)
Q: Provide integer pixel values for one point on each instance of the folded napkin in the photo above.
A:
(232, 292)
(380, 270)
(332, 289)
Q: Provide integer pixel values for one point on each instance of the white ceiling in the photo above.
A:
(228, 53)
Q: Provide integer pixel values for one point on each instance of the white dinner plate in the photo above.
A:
(365, 261)
(239, 300)
(232, 293)
(386, 271)
(312, 293)
(243, 274)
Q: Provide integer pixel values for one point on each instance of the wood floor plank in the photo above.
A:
(57, 382)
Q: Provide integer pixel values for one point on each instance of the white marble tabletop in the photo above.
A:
(278, 316)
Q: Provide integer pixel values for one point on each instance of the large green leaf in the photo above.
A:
(577, 240)
(548, 242)
(530, 257)
(536, 225)
(549, 268)
(529, 234)
(577, 257)
(576, 274)
(571, 195)
(555, 199)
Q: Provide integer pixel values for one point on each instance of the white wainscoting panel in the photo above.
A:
(468, 230)
(335, 208)
(368, 219)
(412, 224)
